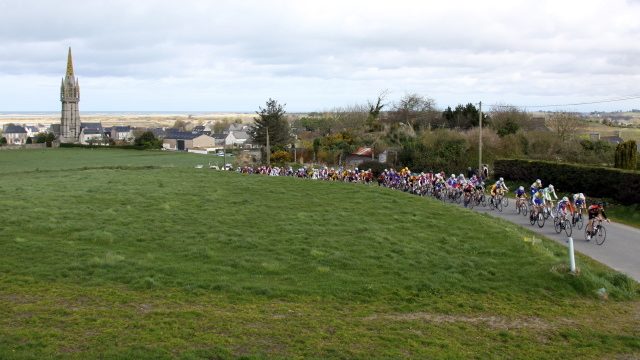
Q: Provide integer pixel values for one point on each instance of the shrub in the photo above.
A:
(620, 185)
(280, 156)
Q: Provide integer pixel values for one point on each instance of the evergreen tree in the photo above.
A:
(271, 117)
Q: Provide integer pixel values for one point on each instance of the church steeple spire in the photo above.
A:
(69, 64)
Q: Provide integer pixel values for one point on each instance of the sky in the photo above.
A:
(313, 55)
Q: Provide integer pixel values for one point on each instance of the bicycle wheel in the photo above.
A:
(540, 220)
(556, 225)
(505, 201)
(601, 235)
(483, 200)
(580, 222)
(499, 205)
(568, 229)
(518, 209)
(525, 209)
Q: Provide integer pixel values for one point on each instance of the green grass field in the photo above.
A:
(134, 254)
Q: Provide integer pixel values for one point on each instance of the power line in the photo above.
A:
(631, 97)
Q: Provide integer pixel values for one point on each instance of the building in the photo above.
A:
(184, 141)
(122, 133)
(15, 135)
(359, 156)
(70, 96)
(91, 133)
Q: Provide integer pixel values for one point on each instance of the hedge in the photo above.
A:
(616, 184)
(130, 147)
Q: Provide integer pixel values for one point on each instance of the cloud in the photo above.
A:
(316, 54)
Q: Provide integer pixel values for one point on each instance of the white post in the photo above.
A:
(572, 259)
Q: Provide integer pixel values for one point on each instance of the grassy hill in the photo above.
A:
(131, 254)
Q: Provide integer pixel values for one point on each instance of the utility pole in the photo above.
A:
(268, 149)
(480, 140)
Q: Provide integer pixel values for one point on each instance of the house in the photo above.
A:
(184, 141)
(91, 133)
(220, 139)
(15, 135)
(32, 131)
(236, 127)
(122, 133)
(359, 156)
(615, 139)
(241, 139)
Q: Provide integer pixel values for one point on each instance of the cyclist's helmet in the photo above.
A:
(540, 191)
(581, 195)
(550, 187)
(539, 182)
(501, 180)
(521, 188)
(565, 199)
(453, 175)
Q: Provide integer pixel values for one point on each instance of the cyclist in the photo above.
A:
(468, 189)
(564, 207)
(538, 202)
(535, 187)
(579, 201)
(548, 191)
(596, 212)
(521, 196)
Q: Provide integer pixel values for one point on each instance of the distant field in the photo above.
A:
(145, 120)
(136, 254)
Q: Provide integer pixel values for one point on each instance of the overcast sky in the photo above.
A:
(315, 55)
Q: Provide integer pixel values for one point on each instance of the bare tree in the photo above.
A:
(507, 119)
(415, 111)
(564, 124)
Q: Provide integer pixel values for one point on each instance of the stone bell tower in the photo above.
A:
(70, 96)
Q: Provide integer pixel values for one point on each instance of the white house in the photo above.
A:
(122, 133)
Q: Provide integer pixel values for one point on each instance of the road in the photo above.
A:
(620, 251)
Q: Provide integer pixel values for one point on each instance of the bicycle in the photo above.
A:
(535, 215)
(496, 202)
(599, 233)
(578, 219)
(562, 223)
(521, 206)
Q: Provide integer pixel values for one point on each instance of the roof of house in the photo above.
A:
(363, 151)
(237, 127)
(91, 125)
(241, 135)
(122, 128)
(32, 128)
(91, 131)
(612, 139)
(182, 135)
(219, 136)
(14, 129)
(198, 128)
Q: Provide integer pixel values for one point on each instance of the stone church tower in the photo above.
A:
(70, 96)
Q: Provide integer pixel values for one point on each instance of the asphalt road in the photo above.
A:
(620, 251)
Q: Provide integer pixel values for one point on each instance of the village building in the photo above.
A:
(91, 134)
(15, 135)
(185, 141)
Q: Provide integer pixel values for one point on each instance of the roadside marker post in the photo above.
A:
(572, 259)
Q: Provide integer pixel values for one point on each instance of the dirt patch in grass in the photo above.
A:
(495, 322)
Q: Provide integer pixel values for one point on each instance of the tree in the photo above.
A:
(29, 141)
(3, 141)
(507, 119)
(180, 125)
(564, 124)
(626, 155)
(148, 140)
(374, 111)
(272, 117)
(463, 117)
(414, 110)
